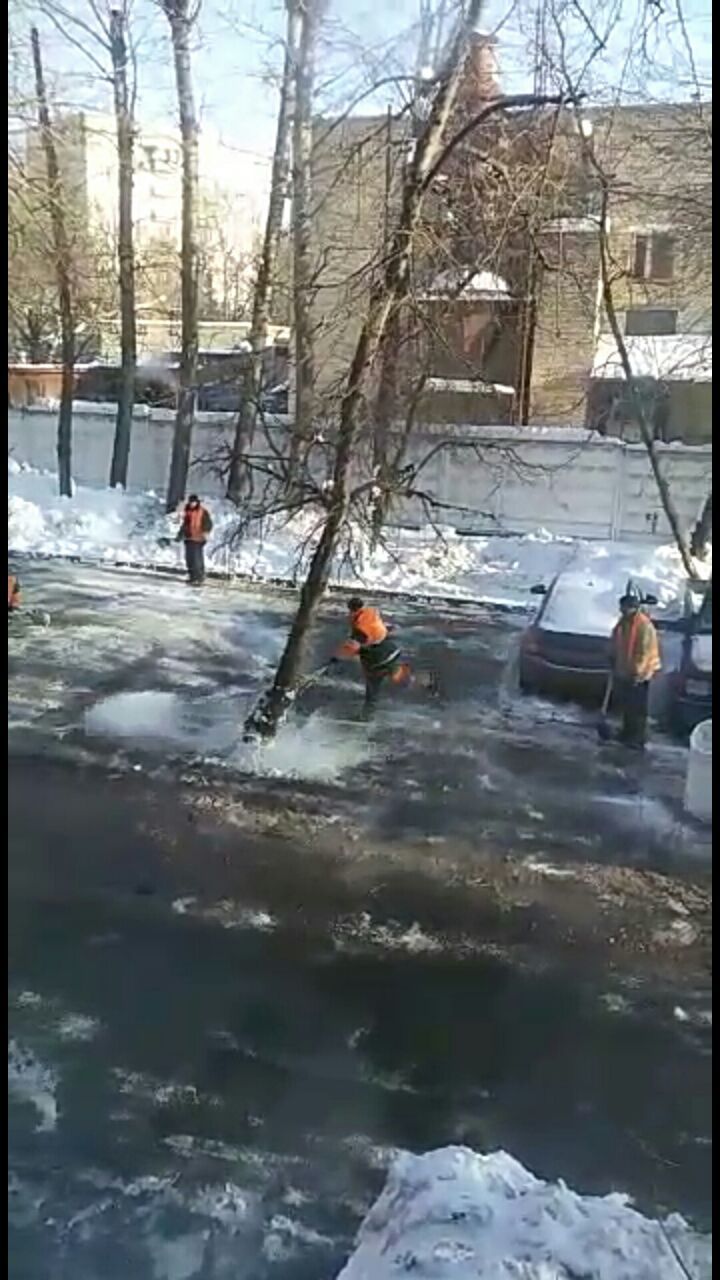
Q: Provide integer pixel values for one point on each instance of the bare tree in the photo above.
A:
(181, 14)
(389, 289)
(302, 257)
(267, 266)
(126, 250)
(63, 271)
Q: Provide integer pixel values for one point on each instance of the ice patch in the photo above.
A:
(188, 1146)
(28, 1000)
(77, 1026)
(454, 1213)
(285, 1237)
(547, 869)
(145, 716)
(226, 1204)
(389, 936)
(316, 750)
(229, 914)
(164, 1093)
(30, 1081)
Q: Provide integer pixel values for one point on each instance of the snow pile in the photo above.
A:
(453, 1213)
(114, 527)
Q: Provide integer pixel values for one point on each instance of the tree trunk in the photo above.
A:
(63, 273)
(302, 265)
(126, 252)
(263, 293)
(178, 14)
(384, 296)
(384, 417)
(702, 533)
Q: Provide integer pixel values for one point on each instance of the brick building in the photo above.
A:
(509, 321)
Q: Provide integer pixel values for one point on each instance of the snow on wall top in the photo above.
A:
(452, 1214)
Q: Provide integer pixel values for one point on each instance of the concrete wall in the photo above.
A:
(502, 478)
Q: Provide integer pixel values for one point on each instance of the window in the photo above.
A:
(643, 321)
(653, 256)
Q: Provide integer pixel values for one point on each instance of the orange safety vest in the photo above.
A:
(193, 524)
(13, 592)
(636, 648)
(366, 628)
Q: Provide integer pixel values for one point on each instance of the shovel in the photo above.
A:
(603, 727)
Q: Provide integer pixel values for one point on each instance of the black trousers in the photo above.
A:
(195, 561)
(633, 704)
(373, 685)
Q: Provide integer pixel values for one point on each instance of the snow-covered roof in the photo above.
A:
(483, 285)
(676, 357)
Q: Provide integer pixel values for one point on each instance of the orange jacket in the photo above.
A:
(13, 591)
(366, 628)
(635, 648)
(196, 524)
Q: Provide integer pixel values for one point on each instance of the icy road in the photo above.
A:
(237, 980)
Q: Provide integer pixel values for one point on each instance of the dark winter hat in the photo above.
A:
(355, 603)
(629, 601)
(193, 498)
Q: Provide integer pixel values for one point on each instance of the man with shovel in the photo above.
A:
(635, 659)
(380, 654)
(194, 531)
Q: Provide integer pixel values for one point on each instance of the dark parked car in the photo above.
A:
(565, 648)
(690, 691)
(225, 397)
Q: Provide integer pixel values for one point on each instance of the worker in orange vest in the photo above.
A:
(635, 657)
(13, 593)
(379, 653)
(194, 532)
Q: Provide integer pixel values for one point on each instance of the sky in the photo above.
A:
(238, 54)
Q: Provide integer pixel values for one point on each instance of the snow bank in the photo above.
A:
(115, 527)
(453, 1213)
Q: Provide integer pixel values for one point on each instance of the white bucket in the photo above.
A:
(698, 782)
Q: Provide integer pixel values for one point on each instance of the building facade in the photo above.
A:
(510, 317)
(232, 198)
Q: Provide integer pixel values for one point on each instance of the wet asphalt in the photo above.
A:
(231, 1031)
